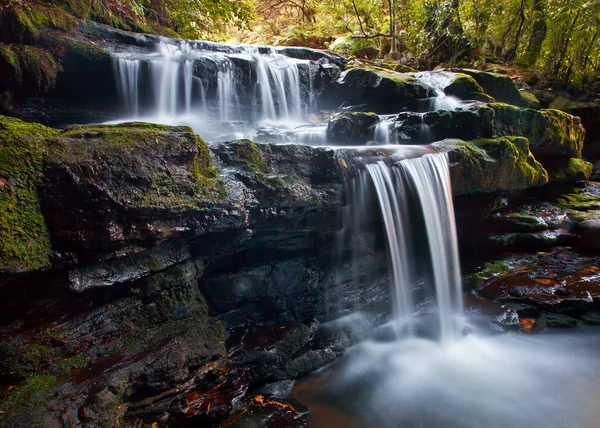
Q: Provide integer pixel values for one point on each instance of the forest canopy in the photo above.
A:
(558, 39)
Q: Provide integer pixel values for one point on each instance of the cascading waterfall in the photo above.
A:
(127, 71)
(385, 132)
(405, 189)
(189, 80)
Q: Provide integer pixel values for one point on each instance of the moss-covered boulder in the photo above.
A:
(379, 89)
(589, 113)
(567, 170)
(458, 85)
(493, 165)
(24, 239)
(351, 127)
(348, 46)
(551, 133)
(502, 88)
(96, 176)
(466, 88)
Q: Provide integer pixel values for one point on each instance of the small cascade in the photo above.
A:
(207, 83)
(415, 204)
(385, 131)
(439, 80)
(127, 71)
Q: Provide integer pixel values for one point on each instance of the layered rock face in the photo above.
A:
(149, 277)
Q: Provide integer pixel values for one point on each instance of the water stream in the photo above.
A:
(435, 368)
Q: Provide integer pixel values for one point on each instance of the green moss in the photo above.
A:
(570, 170)
(31, 394)
(484, 273)
(252, 157)
(207, 180)
(530, 100)
(24, 239)
(32, 67)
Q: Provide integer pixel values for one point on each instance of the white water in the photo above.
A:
(439, 80)
(191, 85)
(419, 186)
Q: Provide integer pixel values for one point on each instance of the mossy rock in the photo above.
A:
(501, 88)
(466, 88)
(347, 46)
(493, 165)
(24, 239)
(31, 68)
(551, 133)
(381, 90)
(567, 170)
(351, 127)
(121, 150)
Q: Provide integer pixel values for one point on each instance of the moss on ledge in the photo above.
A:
(24, 239)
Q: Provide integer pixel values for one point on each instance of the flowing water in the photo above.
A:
(429, 366)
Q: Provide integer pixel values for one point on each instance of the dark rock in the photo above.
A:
(501, 88)
(384, 91)
(502, 164)
(351, 128)
(590, 234)
(567, 170)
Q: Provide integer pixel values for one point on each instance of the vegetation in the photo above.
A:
(559, 40)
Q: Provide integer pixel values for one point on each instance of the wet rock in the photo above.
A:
(351, 128)
(590, 234)
(561, 321)
(265, 412)
(567, 170)
(562, 282)
(589, 113)
(466, 88)
(502, 164)
(501, 88)
(384, 91)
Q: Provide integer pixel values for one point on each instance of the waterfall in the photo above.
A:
(127, 71)
(199, 81)
(406, 191)
(385, 131)
(439, 80)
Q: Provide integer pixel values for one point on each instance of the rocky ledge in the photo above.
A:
(148, 276)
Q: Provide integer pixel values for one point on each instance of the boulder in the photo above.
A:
(551, 133)
(466, 88)
(382, 91)
(351, 127)
(497, 165)
(567, 170)
(589, 113)
(501, 88)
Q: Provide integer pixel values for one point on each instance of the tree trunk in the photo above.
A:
(392, 5)
(538, 33)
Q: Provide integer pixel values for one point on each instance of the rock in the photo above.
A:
(561, 321)
(503, 164)
(567, 170)
(562, 281)
(95, 175)
(24, 238)
(383, 91)
(466, 88)
(501, 88)
(351, 128)
(551, 133)
(348, 46)
(589, 113)
(590, 234)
